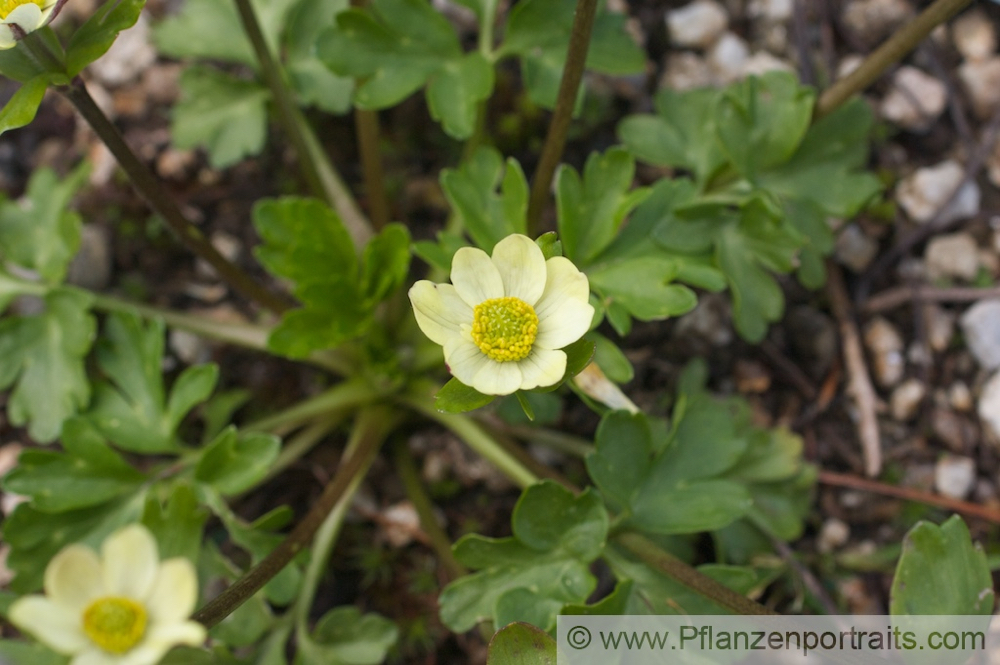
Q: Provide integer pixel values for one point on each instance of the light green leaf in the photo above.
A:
(40, 232)
(534, 573)
(130, 408)
(21, 108)
(615, 365)
(87, 474)
(757, 298)
(344, 636)
(23, 653)
(455, 90)
(315, 84)
(456, 397)
(486, 216)
(44, 355)
(225, 115)
(643, 287)
(303, 240)
(521, 644)
(385, 263)
(98, 33)
(177, 523)
(235, 463)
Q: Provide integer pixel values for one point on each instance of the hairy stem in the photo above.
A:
(366, 124)
(348, 395)
(149, 187)
(555, 141)
(407, 470)
(889, 53)
(371, 428)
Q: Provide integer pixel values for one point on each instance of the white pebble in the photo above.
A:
(697, 24)
(728, 57)
(981, 327)
(832, 535)
(989, 405)
(923, 193)
(954, 476)
(906, 398)
(915, 100)
(952, 255)
(886, 347)
(981, 79)
(974, 35)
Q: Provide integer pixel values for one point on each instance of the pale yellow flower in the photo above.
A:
(27, 15)
(124, 607)
(503, 320)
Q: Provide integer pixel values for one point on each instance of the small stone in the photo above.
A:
(960, 397)
(190, 348)
(833, 534)
(697, 24)
(728, 57)
(954, 476)
(989, 405)
(952, 255)
(874, 20)
(924, 193)
(771, 10)
(906, 399)
(161, 83)
(130, 54)
(708, 321)
(686, 71)
(974, 35)
(940, 326)
(981, 79)
(751, 377)
(886, 347)
(855, 249)
(763, 62)
(91, 267)
(915, 100)
(400, 524)
(981, 327)
(848, 64)
(174, 164)
(951, 429)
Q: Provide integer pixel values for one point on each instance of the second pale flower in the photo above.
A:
(503, 319)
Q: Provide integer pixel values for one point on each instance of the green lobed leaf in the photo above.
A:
(488, 217)
(234, 463)
(521, 644)
(131, 408)
(344, 636)
(87, 474)
(612, 361)
(225, 115)
(439, 254)
(20, 110)
(455, 90)
(591, 210)
(314, 83)
(177, 522)
(44, 356)
(642, 286)
(456, 397)
(40, 232)
(23, 653)
(385, 263)
(98, 33)
(531, 575)
(941, 571)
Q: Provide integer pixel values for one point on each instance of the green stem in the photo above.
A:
(373, 425)
(555, 141)
(564, 443)
(346, 396)
(326, 536)
(889, 53)
(39, 51)
(474, 436)
(296, 447)
(366, 124)
(150, 188)
(407, 470)
(680, 571)
(282, 96)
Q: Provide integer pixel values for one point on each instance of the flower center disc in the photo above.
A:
(504, 328)
(7, 6)
(115, 624)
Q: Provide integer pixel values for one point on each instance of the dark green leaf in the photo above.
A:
(610, 359)
(315, 84)
(642, 286)
(95, 37)
(19, 65)
(344, 636)
(44, 355)
(177, 523)
(456, 397)
(235, 463)
(385, 263)
(534, 573)
(522, 400)
(521, 644)
(440, 253)
(455, 91)
(486, 216)
(40, 232)
(224, 115)
(549, 244)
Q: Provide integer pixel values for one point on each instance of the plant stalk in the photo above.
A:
(889, 53)
(373, 425)
(366, 124)
(149, 187)
(349, 395)
(555, 141)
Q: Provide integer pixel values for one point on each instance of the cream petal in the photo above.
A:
(475, 277)
(6, 37)
(439, 310)
(564, 324)
(130, 561)
(96, 656)
(542, 367)
(189, 633)
(27, 16)
(464, 359)
(174, 592)
(497, 378)
(145, 654)
(521, 265)
(52, 624)
(73, 578)
(562, 282)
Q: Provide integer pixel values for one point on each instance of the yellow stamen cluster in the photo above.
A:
(504, 328)
(7, 6)
(115, 624)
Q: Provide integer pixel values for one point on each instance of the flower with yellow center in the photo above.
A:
(19, 17)
(503, 319)
(124, 607)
